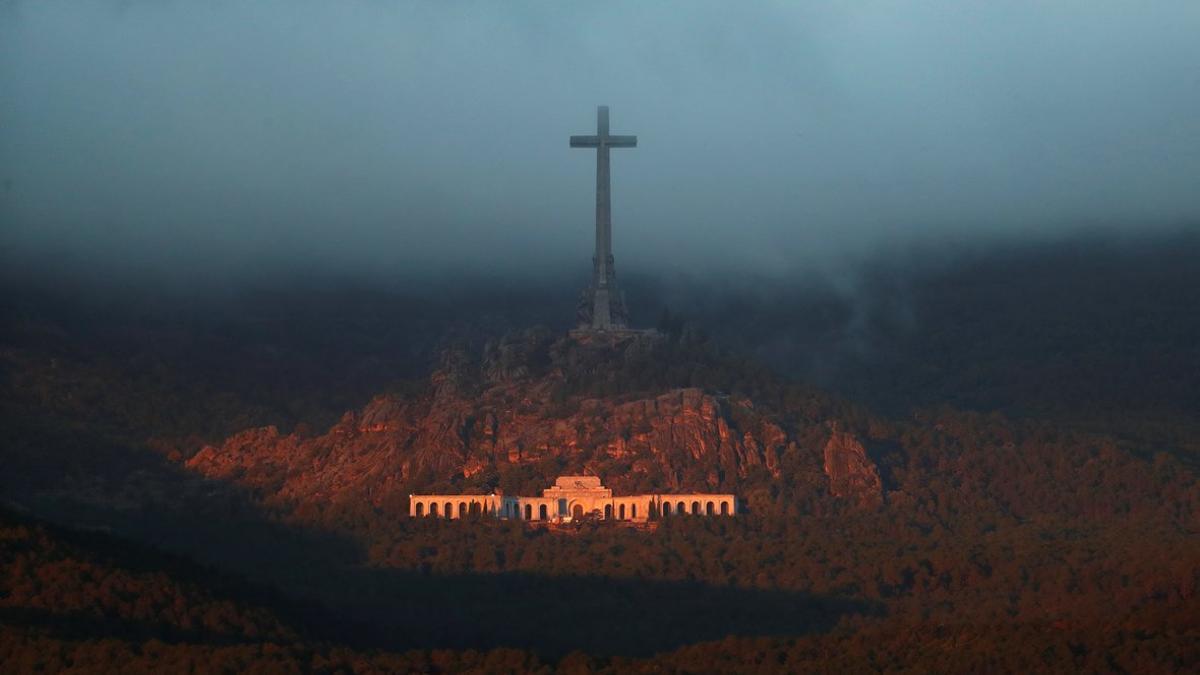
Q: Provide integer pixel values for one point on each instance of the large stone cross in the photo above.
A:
(606, 306)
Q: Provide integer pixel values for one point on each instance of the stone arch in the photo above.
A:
(449, 510)
(608, 511)
(462, 509)
(433, 509)
(476, 508)
(529, 512)
(542, 512)
(420, 509)
(633, 515)
(708, 509)
(577, 511)
(621, 512)
(681, 508)
(724, 507)
(695, 508)
(666, 508)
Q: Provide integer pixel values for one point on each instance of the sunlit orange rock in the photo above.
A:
(506, 415)
(851, 472)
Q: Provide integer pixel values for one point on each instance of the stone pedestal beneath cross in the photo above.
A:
(602, 306)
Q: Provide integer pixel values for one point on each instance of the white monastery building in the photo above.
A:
(570, 498)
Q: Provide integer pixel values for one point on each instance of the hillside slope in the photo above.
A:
(535, 406)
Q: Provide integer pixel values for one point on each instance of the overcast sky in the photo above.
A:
(221, 138)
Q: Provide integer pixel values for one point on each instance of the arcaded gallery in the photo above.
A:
(570, 499)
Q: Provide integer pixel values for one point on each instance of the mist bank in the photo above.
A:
(203, 277)
(879, 276)
(1098, 323)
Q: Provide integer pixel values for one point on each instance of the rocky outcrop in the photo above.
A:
(392, 442)
(521, 414)
(851, 472)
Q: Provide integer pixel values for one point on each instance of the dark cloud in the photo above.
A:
(196, 140)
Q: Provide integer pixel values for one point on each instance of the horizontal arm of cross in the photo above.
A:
(610, 141)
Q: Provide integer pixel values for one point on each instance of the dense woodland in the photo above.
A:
(1035, 529)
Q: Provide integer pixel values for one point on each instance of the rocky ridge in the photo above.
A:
(532, 407)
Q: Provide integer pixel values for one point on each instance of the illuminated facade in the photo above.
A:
(571, 498)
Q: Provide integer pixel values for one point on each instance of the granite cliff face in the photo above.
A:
(529, 410)
(851, 472)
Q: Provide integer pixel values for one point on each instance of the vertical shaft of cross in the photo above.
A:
(604, 307)
(603, 259)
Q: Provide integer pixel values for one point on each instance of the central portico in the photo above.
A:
(569, 499)
(576, 495)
